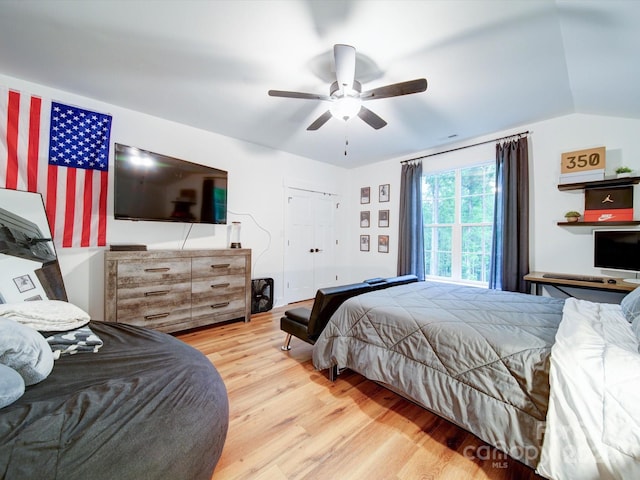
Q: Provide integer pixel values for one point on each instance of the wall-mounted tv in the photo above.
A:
(155, 187)
(617, 249)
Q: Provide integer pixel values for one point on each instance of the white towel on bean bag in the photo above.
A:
(46, 315)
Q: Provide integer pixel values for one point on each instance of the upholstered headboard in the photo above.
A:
(29, 268)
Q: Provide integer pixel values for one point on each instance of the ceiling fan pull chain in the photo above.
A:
(346, 139)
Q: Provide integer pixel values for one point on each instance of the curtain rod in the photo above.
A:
(467, 146)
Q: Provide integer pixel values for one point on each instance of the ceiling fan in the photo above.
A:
(346, 95)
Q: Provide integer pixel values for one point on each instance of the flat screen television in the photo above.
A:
(155, 187)
(617, 250)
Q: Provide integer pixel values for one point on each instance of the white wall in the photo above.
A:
(257, 177)
(553, 248)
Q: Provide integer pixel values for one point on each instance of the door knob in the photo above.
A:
(318, 250)
(311, 250)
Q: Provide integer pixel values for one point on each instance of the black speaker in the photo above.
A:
(261, 295)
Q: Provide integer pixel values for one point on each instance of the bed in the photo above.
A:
(87, 399)
(491, 362)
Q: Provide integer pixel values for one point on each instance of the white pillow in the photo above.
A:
(630, 305)
(46, 315)
(26, 351)
(635, 326)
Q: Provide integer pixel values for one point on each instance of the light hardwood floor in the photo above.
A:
(288, 421)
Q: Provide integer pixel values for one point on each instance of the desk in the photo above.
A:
(538, 280)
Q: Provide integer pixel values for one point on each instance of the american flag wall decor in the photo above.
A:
(62, 152)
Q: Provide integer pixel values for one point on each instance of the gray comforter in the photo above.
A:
(478, 357)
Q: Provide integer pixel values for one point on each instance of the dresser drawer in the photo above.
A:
(155, 293)
(226, 307)
(204, 267)
(208, 290)
(164, 320)
(137, 272)
(152, 301)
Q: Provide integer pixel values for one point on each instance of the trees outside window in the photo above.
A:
(457, 207)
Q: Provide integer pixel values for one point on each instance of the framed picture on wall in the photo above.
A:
(383, 218)
(383, 243)
(384, 193)
(365, 219)
(364, 243)
(365, 195)
(24, 283)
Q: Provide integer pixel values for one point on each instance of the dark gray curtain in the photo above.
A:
(510, 249)
(411, 238)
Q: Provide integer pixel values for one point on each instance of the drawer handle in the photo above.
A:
(156, 293)
(220, 305)
(220, 285)
(221, 265)
(156, 270)
(156, 316)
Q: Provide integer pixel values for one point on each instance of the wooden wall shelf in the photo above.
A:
(610, 182)
(629, 223)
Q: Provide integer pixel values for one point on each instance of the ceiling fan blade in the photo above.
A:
(308, 96)
(371, 118)
(345, 59)
(395, 90)
(321, 120)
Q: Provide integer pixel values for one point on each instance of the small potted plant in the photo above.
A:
(622, 172)
(572, 216)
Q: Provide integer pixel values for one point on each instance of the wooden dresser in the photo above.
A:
(172, 290)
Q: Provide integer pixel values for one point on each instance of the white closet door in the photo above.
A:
(324, 266)
(309, 257)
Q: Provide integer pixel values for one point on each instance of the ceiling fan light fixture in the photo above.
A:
(345, 107)
(346, 96)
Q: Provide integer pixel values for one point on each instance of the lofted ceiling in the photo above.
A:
(491, 65)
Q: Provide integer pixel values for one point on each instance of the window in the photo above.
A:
(457, 208)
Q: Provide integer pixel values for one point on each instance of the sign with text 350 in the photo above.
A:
(583, 160)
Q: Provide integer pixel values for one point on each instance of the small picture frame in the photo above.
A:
(383, 218)
(383, 243)
(365, 219)
(24, 283)
(383, 191)
(365, 195)
(364, 243)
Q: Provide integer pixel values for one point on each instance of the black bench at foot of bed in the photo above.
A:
(307, 323)
(145, 406)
